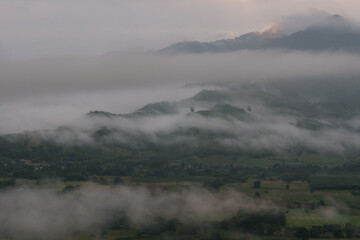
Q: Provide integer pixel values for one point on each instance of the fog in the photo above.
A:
(61, 59)
(126, 71)
(271, 133)
(40, 94)
(44, 93)
(47, 214)
(45, 111)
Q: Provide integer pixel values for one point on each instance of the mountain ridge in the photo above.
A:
(334, 34)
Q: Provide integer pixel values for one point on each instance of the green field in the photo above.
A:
(335, 182)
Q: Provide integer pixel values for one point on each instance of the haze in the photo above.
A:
(90, 27)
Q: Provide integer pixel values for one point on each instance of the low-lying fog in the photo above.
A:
(38, 94)
(47, 214)
(48, 93)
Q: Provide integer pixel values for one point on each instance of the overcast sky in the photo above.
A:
(91, 27)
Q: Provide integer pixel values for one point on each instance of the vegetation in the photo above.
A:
(314, 193)
(335, 182)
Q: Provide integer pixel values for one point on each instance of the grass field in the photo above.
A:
(335, 182)
(302, 159)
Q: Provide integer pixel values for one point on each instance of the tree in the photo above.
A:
(302, 233)
(68, 188)
(217, 236)
(349, 229)
(256, 184)
(215, 184)
(118, 180)
(103, 181)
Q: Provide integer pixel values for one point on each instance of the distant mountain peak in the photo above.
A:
(101, 114)
(271, 32)
(333, 34)
(334, 22)
(337, 18)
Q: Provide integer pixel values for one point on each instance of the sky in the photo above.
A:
(38, 28)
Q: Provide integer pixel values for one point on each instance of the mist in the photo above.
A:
(59, 28)
(127, 71)
(49, 214)
(87, 91)
(44, 94)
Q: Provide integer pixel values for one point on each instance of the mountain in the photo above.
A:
(151, 109)
(310, 99)
(333, 34)
(253, 40)
(210, 133)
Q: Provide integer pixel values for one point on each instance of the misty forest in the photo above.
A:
(144, 120)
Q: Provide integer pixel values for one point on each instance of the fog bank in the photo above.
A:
(46, 214)
(41, 94)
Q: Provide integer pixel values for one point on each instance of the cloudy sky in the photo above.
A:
(39, 28)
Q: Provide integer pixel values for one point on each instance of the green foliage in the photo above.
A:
(215, 184)
(226, 111)
(302, 233)
(217, 236)
(68, 188)
(103, 181)
(311, 124)
(335, 182)
(118, 180)
(5, 183)
(256, 184)
(261, 222)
